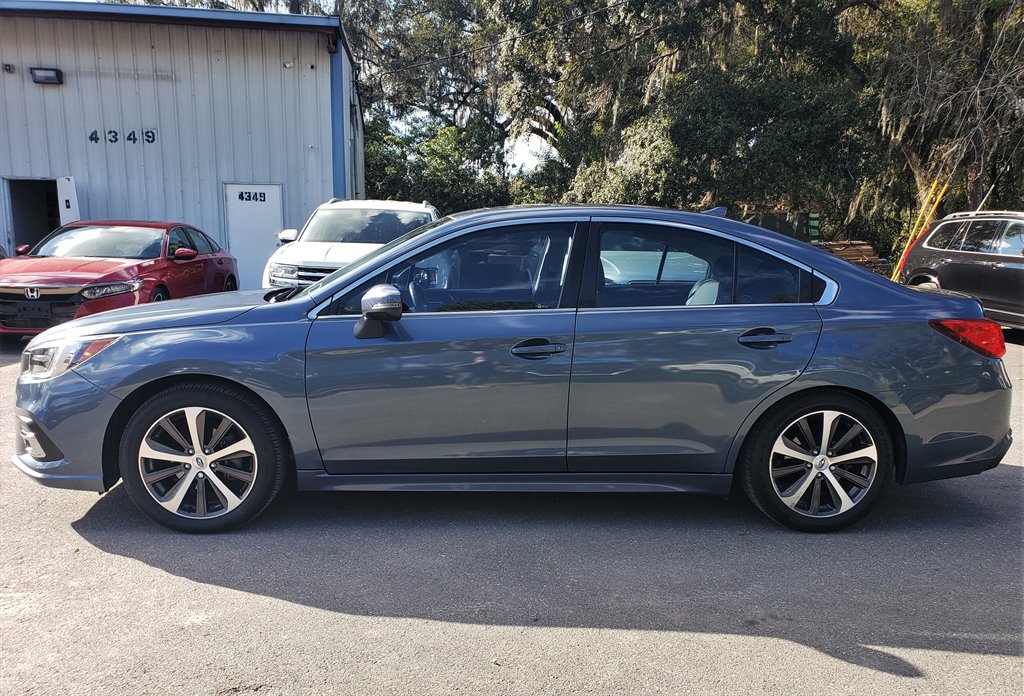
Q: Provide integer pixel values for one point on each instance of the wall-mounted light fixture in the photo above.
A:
(9, 67)
(47, 76)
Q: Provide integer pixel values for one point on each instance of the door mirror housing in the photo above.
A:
(22, 249)
(289, 235)
(379, 304)
(185, 254)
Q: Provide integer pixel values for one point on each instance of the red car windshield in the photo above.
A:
(106, 242)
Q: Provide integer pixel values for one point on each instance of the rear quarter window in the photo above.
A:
(945, 236)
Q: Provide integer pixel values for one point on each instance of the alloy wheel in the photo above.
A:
(823, 463)
(197, 462)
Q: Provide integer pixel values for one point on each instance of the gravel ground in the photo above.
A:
(514, 593)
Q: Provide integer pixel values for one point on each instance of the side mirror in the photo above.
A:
(185, 254)
(289, 235)
(22, 249)
(380, 303)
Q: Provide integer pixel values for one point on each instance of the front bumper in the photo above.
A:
(60, 427)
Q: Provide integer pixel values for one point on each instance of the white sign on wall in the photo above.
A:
(254, 217)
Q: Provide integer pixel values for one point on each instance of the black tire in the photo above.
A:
(230, 285)
(755, 466)
(269, 466)
(160, 294)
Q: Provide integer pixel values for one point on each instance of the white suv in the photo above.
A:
(336, 234)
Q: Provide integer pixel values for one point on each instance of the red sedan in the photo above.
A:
(91, 266)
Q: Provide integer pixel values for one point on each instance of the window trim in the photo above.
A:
(572, 276)
(589, 288)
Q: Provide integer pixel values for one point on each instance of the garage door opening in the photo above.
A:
(39, 206)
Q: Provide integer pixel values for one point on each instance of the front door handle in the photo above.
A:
(536, 349)
(764, 338)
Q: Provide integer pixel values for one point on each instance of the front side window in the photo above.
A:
(200, 242)
(361, 225)
(1012, 241)
(99, 241)
(179, 240)
(654, 266)
(510, 268)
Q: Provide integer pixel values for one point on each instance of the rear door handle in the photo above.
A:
(536, 349)
(763, 338)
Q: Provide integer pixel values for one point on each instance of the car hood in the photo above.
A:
(56, 270)
(325, 254)
(203, 310)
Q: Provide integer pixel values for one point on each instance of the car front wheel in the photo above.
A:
(202, 458)
(817, 463)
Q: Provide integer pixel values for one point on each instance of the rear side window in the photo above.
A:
(980, 236)
(766, 279)
(946, 236)
(1012, 241)
(654, 266)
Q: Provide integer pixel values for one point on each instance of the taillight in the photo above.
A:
(980, 335)
(906, 252)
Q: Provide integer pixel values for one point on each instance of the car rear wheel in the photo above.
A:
(202, 458)
(230, 284)
(817, 463)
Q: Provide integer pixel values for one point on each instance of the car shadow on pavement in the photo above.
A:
(10, 351)
(936, 567)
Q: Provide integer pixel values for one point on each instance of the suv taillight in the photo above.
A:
(980, 335)
(906, 252)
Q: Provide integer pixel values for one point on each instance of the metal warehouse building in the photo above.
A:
(238, 122)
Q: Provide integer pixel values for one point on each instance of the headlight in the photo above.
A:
(283, 270)
(94, 292)
(48, 360)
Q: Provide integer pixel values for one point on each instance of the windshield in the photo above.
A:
(362, 260)
(107, 242)
(361, 225)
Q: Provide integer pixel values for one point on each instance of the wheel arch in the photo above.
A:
(923, 275)
(131, 403)
(884, 412)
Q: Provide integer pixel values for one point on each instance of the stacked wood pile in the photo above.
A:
(859, 252)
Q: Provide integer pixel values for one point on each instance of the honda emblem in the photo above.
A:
(32, 293)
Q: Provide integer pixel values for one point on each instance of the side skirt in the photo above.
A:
(714, 484)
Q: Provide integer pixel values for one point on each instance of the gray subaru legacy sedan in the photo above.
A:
(532, 348)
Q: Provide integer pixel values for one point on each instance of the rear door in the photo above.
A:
(680, 334)
(960, 254)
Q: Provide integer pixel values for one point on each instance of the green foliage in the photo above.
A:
(851, 109)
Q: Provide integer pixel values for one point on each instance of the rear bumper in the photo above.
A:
(969, 466)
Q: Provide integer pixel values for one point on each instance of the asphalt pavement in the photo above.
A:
(431, 593)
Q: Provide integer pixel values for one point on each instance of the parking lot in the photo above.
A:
(530, 593)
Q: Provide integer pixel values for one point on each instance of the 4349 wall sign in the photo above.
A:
(134, 136)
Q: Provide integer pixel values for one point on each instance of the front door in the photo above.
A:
(475, 375)
(686, 333)
(184, 278)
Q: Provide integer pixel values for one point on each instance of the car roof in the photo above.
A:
(1016, 214)
(126, 223)
(423, 207)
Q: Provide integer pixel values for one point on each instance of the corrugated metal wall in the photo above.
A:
(222, 103)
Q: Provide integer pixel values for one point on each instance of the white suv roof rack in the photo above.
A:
(973, 213)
